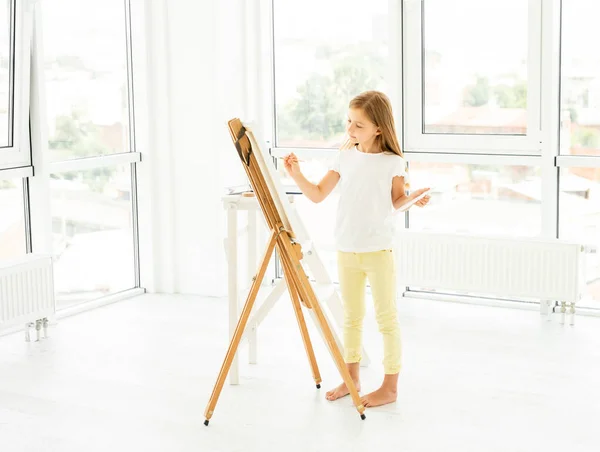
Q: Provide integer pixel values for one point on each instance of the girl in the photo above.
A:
(373, 177)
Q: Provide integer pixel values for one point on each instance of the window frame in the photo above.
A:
(17, 154)
(39, 189)
(418, 141)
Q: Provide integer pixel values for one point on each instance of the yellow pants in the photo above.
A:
(379, 268)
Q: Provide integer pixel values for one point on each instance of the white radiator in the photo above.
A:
(549, 270)
(27, 293)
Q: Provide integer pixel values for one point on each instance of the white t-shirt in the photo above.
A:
(363, 222)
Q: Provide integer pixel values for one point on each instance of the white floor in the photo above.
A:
(136, 376)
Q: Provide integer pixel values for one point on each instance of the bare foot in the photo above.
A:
(340, 391)
(382, 396)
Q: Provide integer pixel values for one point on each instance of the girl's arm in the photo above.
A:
(399, 196)
(315, 192)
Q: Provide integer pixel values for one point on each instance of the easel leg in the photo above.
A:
(303, 329)
(239, 330)
(339, 359)
(306, 292)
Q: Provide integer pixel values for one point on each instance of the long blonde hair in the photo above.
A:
(378, 108)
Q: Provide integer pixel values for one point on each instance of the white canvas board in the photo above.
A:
(287, 212)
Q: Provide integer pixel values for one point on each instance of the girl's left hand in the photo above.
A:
(424, 200)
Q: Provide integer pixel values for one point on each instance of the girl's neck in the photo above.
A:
(369, 148)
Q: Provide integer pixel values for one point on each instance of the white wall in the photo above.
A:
(196, 82)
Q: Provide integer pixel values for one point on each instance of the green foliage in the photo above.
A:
(319, 110)
(506, 96)
(77, 137)
(586, 138)
(574, 115)
(478, 94)
(514, 96)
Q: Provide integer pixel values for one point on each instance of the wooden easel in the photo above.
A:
(299, 287)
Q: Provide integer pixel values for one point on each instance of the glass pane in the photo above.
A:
(475, 67)
(6, 60)
(321, 62)
(92, 232)
(579, 220)
(12, 219)
(580, 78)
(86, 78)
(479, 199)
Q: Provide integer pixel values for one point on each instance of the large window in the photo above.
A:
(68, 165)
(92, 182)
(12, 219)
(322, 60)
(475, 66)
(580, 78)
(6, 71)
(85, 54)
(472, 109)
(92, 227)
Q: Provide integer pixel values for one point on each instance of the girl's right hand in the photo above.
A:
(291, 164)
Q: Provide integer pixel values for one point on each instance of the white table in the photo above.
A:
(233, 204)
